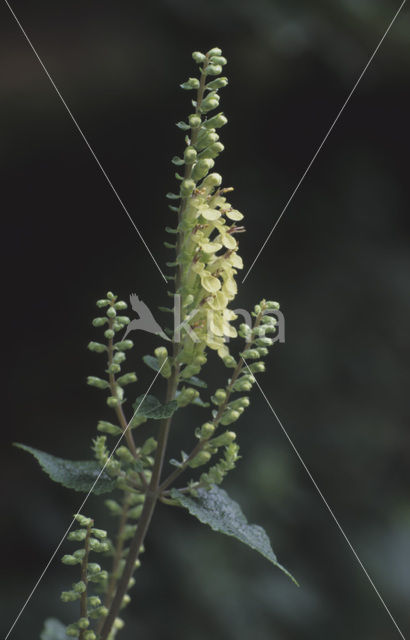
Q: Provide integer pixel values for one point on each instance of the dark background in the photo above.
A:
(337, 263)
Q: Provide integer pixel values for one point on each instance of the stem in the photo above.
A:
(84, 578)
(151, 499)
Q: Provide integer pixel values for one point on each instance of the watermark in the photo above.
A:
(147, 322)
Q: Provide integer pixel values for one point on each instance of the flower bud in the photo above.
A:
(97, 347)
(89, 635)
(213, 180)
(124, 454)
(219, 397)
(111, 312)
(216, 121)
(72, 630)
(83, 623)
(118, 623)
(229, 362)
(78, 536)
(207, 430)
(102, 303)
(202, 168)
(198, 57)
(218, 83)
(124, 345)
(83, 521)
(186, 188)
(119, 357)
(206, 137)
(257, 367)
(128, 378)
(99, 322)
(270, 304)
(97, 382)
(219, 60)
(262, 351)
(213, 150)
(186, 396)
(69, 560)
(202, 458)
(110, 295)
(79, 587)
(191, 83)
(224, 439)
(194, 121)
(230, 416)
(190, 155)
(250, 354)
(149, 446)
(120, 305)
(114, 368)
(215, 51)
(112, 402)
(113, 507)
(109, 333)
(264, 342)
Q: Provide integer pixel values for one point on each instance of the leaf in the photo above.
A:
(150, 407)
(196, 382)
(53, 630)
(79, 475)
(152, 362)
(215, 508)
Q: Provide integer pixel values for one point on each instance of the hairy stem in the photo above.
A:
(84, 577)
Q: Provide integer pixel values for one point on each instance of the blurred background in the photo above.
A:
(338, 263)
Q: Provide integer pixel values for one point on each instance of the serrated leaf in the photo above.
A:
(79, 475)
(151, 362)
(196, 382)
(53, 630)
(150, 407)
(215, 508)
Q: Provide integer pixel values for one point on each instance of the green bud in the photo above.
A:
(219, 397)
(79, 587)
(89, 635)
(69, 560)
(206, 137)
(97, 347)
(207, 430)
(83, 623)
(102, 303)
(186, 396)
(111, 312)
(118, 623)
(124, 345)
(99, 533)
(124, 454)
(210, 102)
(128, 378)
(240, 403)
(219, 60)
(215, 51)
(191, 83)
(83, 521)
(218, 83)
(190, 155)
(114, 368)
(78, 536)
(250, 354)
(231, 415)
(213, 150)
(149, 446)
(119, 357)
(257, 367)
(99, 322)
(110, 295)
(109, 333)
(72, 630)
(120, 305)
(263, 351)
(113, 507)
(202, 458)
(161, 354)
(93, 568)
(242, 385)
(229, 362)
(126, 600)
(216, 121)
(69, 596)
(202, 168)
(269, 304)
(107, 427)
(112, 402)
(224, 439)
(264, 342)
(198, 57)
(135, 512)
(213, 180)
(186, 188)
(97, 382)
(94, 601)
(194, 121)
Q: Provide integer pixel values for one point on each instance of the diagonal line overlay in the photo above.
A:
(324, 140)
(81, 507)
(80, 131)
(327, 505)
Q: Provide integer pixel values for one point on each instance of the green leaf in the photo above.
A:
(196, 382)
(151, 362)
(215, 508)
(53, 630)
(150, 407)
(73, 474)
